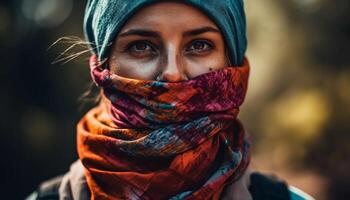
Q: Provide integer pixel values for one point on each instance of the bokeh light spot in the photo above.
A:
(47, 13)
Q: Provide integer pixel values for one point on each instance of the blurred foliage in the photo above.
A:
(297, 108)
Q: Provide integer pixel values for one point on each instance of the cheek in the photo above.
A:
(202, 65)
(131, 68)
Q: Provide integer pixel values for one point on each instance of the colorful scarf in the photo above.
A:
(162, 140)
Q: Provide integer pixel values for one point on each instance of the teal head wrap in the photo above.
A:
(105, 18)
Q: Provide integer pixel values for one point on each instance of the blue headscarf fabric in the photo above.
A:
(105, 18)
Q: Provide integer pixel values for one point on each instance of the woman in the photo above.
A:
(172, 75)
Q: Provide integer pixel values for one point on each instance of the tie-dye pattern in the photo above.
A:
(161, 140)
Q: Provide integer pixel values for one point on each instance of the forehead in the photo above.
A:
(168, 15)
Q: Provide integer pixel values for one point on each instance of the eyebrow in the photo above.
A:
(140, 32)
(201, 30)
(150, 33)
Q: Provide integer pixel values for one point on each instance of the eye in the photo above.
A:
(141, 49)
(200, 46)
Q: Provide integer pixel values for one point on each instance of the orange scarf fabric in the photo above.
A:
(151, 140)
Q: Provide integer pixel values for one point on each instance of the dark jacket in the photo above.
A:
(261, 187)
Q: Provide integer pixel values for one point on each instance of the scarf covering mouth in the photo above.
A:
(162, 140)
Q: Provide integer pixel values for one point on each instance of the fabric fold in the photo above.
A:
(161, 140)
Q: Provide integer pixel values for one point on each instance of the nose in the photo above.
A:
(172, 68)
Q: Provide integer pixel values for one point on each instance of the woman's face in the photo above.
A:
(169, 42)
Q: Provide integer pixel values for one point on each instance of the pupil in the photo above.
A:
(141, 46)
(198, 45)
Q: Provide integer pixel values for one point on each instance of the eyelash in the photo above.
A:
(133, 44)
(210, 45)
(206, 42)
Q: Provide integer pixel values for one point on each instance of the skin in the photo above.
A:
(158, 43)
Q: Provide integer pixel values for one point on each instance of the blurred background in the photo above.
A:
(297, 109)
